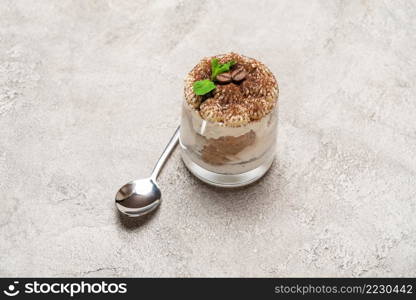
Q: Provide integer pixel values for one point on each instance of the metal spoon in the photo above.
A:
(141, 196)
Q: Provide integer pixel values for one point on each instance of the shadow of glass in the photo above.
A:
(250, 199)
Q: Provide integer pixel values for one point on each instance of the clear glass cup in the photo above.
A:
(228, 156)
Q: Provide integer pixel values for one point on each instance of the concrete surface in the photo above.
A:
(90, 92)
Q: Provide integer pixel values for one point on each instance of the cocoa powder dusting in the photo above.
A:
(250, 95)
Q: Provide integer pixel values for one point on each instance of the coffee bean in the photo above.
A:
(224, 77)
(239, 73)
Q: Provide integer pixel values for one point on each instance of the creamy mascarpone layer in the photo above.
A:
(216, 130)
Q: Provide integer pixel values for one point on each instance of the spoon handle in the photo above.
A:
(165, 155)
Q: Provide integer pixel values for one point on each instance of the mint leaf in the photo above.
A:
(202, 87)
(217, 68)
(214, 65)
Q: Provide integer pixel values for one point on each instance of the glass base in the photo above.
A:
(227, 180)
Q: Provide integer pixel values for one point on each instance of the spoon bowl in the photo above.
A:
(138, 197)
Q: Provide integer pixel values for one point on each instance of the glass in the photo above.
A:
(227, 156)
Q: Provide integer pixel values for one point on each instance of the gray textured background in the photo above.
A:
(90, 92)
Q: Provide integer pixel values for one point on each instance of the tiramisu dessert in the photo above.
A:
(229, 120)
